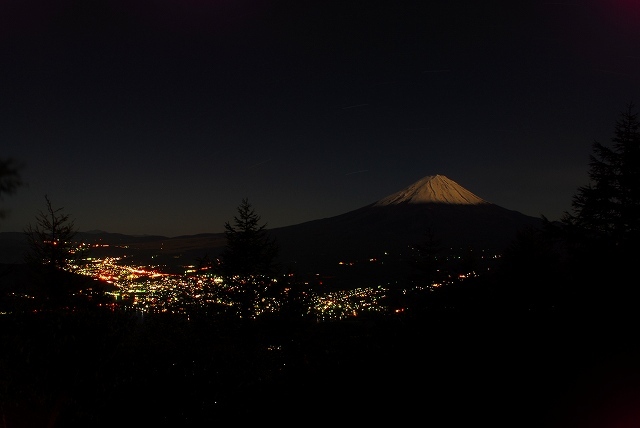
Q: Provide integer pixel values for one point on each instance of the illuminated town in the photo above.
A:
(150, 289)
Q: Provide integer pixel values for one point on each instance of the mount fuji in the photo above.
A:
(454, 215)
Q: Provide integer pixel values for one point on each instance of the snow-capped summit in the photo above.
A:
(432, 189)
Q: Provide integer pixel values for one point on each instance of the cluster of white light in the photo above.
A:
(346, 303)
(148, 289)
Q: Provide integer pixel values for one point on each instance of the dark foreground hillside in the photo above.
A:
(448, 368)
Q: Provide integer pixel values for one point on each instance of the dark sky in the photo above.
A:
(159, 117)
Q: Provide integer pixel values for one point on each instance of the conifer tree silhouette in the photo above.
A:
(10, 179)
(602, 231)
(607, 209)
(248, 263)
(50, 239)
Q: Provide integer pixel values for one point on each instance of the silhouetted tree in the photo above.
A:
(51, 239)
(584, 260)
(607, 210)
(10, 179)
(248, 264)
(602, 231)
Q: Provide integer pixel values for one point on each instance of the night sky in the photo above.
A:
(159, 117)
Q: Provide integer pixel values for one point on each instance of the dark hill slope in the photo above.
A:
(375, 229)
